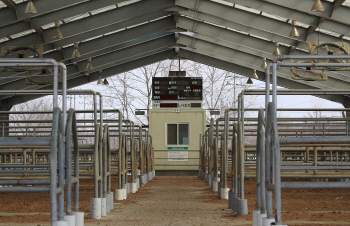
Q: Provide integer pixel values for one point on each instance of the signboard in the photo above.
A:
(176, 104)
(177, 88)
(178, 156)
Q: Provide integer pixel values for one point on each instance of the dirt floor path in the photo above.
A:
(182, 201)
(172, 201)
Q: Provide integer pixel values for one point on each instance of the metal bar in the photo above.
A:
(314, 140)
(25, 189)
(315, 185)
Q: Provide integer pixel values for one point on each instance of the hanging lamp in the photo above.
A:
(76, 51)
(277, 51)
(57, 33)
(99, 81)
(294, 32)
(105, 82)
(249, 81)
(30, 8)
(317, 7)
(255, 76)
(89, 65)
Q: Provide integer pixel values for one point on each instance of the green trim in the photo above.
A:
(177, 148)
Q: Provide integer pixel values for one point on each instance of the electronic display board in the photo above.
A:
(177, 88)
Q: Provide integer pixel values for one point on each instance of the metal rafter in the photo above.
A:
(252, 23)
(107, 60)
(89, 24)
(254, 62)
(247, 71)
(116, 69)
(299, 10)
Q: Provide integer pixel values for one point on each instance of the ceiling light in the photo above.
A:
(249, 81)
(294, 32)
(317, 7)
(89, 65)
(255, 76)
(30, 8)
(76, 51)
(277, 51)
(99, 81)
(57, 33)
(105, 82)
(264, 64)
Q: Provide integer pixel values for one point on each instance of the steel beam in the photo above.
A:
(252, 23)
(296, 10)
(107, 60)
(136, 62)
(283, 80)
(94, 22)
(248, 60)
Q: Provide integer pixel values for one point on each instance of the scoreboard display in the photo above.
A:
(177, 88)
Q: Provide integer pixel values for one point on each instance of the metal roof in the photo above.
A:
(121, 35)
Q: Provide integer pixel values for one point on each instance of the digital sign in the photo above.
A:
(176, 88)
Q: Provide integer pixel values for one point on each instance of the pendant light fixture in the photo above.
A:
(76, 51)
(294, 32)
(255, 75)
(277, 51)
(30, 8)
(105, 82)
(317, 7)
(249, 82)
(89, 65)
(99, 81)
(264, 64)
(57, 33)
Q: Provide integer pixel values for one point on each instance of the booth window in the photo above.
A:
(178, 134)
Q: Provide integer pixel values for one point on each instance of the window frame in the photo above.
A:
(177, 140)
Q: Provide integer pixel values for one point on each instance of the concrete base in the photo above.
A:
(111, 197)
(214, 186)
(70, 219)
(267, 221)
(137, 181)
(206, 176)
(79, 218)
(154, 173)
(224, 193)
(103, 207)
(209, 180)
(242, 207)
(150, 176)
(108, 203)
(255, 217)
(127, 187)
(260, 219)
(125, 194)
(202, 175)
(119, 194)
(219, 189)
(133, 187)
(232, 197)
(95, 208)
(143, 180)
(62, 223)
